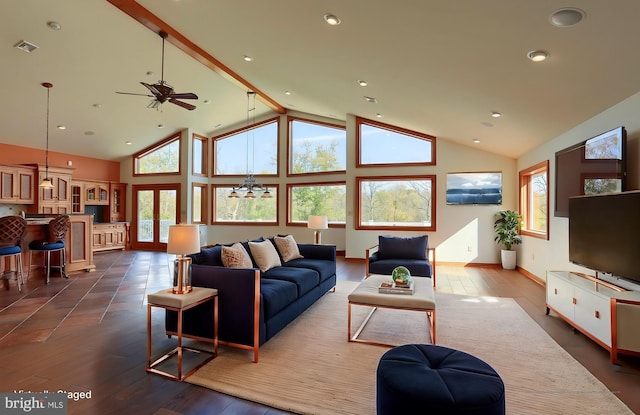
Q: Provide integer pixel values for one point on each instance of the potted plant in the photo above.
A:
(507, 227)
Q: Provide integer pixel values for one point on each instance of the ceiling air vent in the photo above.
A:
(26, 46)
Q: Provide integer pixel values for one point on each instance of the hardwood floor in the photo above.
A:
(88, 334)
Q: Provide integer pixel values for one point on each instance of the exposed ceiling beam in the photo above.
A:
(154, 23)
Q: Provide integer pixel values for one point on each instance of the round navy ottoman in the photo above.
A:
(429, 379)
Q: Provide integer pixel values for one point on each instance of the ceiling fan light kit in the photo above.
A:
(162, 91)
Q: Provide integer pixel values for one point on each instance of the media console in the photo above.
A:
(606, 313)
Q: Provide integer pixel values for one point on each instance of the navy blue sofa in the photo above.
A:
(253, 306)
(393, 251)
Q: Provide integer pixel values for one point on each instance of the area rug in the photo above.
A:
(310, 368)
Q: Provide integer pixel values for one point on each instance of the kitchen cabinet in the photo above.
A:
(117, 202)
(96, 193)
(107, 236)
(55, 201)
(17, 184)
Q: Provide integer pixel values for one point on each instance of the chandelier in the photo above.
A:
(249, 184)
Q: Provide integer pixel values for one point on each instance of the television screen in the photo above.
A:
(474, 188)
(594, 166)
(604, 233)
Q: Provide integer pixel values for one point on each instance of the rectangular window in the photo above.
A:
(160, 158)
(243, 210)
(316, 147)
(380, 144)
(249, 150)
(534, 200)
(396, 203)
(323, 199)
(200, 155)
(199, 203)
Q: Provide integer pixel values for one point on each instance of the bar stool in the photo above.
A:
(57, 230)
(12, 229)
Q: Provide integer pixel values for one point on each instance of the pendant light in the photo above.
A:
(250, 184)
(46, 182)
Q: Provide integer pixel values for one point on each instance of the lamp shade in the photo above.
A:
(318, 222)
(184, 239)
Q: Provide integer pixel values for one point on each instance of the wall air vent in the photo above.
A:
(25, 46)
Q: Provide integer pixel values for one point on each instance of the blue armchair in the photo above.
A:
(412, 252)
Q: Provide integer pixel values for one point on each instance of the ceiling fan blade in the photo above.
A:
(182, 104)
(152, 88)
(184, 95)
(131, 93)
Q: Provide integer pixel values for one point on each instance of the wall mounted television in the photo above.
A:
(482, 188)
(594, 166)
(604, 233)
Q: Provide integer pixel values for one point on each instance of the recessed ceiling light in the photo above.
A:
(54, 25)
(370, 99)
(332, 19)
(476, 141)
(247, 58)
(61, 127)
(362, 83)
(567, 17)
(206, 101)
(97, 105)
(538, 55)
(378, 115)
(25, 46)
(496, 114)
(160, 125)
(89, 133)
(217, 125)
(287, 92)
(128, 143)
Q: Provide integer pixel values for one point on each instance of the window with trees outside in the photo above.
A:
(322, 199)
(252, 149)
(534, 200)
(382, 144)
(199, 203)
(199, 155)
(242, 210)
(398, 203)
(316, 147)
(163, 157)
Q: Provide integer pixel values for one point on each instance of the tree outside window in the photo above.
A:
(316, 147)
(534, 200)
(244, 211)
(328, 199)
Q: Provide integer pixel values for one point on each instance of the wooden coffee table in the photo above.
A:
(366, 294)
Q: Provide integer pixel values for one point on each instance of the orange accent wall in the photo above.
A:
(84, 167)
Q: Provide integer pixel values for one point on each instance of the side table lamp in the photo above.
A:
(318, 223)
(184, 239)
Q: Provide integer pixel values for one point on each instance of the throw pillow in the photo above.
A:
(265, 255)
(236, 256)
(288, 248)
(392, 247)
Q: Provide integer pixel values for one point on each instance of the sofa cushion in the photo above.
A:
(265, 255)
(236, 256)
(276, 295)
(305, 279)
(325, 268)
(393, 247)
(417, 267)
(211, 255)
(287, 247)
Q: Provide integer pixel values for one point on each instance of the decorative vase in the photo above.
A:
(401, 275)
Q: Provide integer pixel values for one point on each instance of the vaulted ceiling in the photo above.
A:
(435, 66)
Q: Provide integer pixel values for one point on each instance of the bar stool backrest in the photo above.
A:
(58, 228)
(12, 229)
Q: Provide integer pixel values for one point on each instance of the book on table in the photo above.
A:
(388, 287)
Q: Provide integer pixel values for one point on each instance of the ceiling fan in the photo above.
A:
(162, 91)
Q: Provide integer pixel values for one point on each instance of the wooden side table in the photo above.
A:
(180, 303)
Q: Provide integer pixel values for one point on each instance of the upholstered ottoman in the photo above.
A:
(428, 379)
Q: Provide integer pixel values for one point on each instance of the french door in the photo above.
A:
(155, 208)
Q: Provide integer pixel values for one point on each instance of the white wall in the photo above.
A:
(536, 255)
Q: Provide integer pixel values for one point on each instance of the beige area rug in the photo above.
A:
(310, 368)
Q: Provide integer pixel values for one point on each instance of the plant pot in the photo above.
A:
(508, 259)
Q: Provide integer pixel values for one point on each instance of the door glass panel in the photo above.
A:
(145, 215)
(167, 213)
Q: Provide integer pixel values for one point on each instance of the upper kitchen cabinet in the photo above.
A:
(58, 199)
(117, 205)
(96, 193)
(17, 184)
